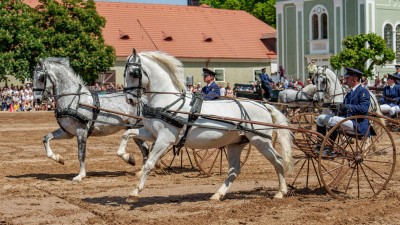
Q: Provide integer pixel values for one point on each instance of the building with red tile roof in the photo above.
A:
(231, 42)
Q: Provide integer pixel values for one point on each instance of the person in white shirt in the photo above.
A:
(222, 90)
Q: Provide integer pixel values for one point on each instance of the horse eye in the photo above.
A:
(41, 78)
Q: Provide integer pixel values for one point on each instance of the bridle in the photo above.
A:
(317, 83)
(134, 63)
(42, 77)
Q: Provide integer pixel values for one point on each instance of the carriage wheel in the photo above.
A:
(305, 174)
(211, 161)
(363, 165)
(174, 159)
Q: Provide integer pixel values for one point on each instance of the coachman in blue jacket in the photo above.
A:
(356, 102)
(211, 90)
(391, 96)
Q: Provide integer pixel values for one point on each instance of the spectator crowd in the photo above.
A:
(16, 98)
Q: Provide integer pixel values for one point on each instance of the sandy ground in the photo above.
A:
(37, 190)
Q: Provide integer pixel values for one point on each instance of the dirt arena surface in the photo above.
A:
(37, 190)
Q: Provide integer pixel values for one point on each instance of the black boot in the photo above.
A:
(328, 151)
(321, 130)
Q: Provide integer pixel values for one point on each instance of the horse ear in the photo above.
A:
(41, 61)
(67, 62)
(134, 52)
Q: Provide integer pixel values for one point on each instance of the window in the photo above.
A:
(388, 36)
(315, 27)
(220, 75)
(319, 23)
(257, 75)
(398, 43)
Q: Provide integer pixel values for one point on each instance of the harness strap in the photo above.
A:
(96, 111)
(72, 113)
(196, 103)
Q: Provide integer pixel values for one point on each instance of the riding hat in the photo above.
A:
(353, 72)
(397, 66)
(208, 72)
(394, 76)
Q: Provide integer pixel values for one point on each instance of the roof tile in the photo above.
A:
(233, 33)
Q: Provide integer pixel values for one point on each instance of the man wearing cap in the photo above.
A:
(211, 90)
(397, 73)
(312, 69)
(391, 96)
(266, 84)
(356, 102)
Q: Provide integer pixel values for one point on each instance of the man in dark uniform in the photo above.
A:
(356, 102)
(397, 73)
(211, 90)
(391, 96)
(266, 84)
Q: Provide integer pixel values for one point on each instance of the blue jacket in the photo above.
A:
(357, 103)
(265, 79)
(211, 91)
(390, 96)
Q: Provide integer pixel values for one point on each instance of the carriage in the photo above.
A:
(362, 168)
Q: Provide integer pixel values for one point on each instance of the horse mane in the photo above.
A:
(63, 64)
(174, 66)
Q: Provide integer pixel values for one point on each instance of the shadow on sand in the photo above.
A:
(69, 176)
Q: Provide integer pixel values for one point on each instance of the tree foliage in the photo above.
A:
(66, 28)
(262, 9)
(20, 39)
(363, 52)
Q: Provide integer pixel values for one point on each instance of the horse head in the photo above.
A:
(152, 72)
(41, 83)
(133, 79)
(321, 82)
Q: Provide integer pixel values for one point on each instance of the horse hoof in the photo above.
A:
(131, 160)
(60, 160)
(77, 179)
(216, 197)
(132, 198)
(279, 195)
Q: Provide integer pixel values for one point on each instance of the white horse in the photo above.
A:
(155, 72)
(304, 97)
(69, 92)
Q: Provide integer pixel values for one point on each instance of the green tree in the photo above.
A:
(73, 29)
(66, 28)
(262, 9)
(363, 52)
(20, 39)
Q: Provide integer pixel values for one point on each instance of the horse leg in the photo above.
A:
(233, 155)
(140, 136)
(144, 148)
(159, 148)
(81, 136)
(57, 134)
(264, 146)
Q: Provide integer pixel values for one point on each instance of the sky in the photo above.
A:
(170, 2)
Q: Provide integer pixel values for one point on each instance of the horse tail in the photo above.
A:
(285, 136)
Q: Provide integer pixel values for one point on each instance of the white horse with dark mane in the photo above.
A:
(69, 91)
(160, 77)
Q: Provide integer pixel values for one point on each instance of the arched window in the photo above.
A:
(315, 27)
(388, 36)
(398, 43)
(324, 25)
(319, 20)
